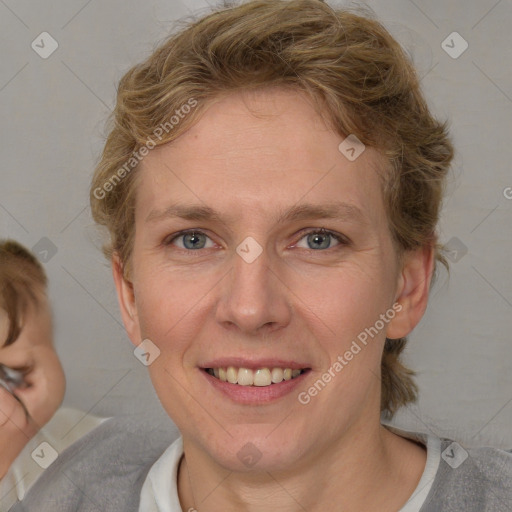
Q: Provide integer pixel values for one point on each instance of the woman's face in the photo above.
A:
(258, 285)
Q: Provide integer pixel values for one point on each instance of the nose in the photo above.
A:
(253, 300)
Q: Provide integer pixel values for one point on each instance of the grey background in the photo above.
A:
(52, 114)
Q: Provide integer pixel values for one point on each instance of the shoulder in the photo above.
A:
(66, 426)
(104, 470)
(471, 479)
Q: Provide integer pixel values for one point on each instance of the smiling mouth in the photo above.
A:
(261, 377)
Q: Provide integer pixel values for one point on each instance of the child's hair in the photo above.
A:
(21, 276)
(349, 64)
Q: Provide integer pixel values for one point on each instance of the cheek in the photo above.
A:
(171, 307)
(57, 377)
(343, 302)
(53, 384)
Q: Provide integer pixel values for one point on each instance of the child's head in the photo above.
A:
(26, 341)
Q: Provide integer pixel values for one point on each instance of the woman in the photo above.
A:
(271, 185)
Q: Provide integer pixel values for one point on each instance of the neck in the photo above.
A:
(360, 471)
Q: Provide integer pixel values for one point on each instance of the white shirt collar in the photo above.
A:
(160, 490)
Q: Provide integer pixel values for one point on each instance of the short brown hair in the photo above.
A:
(20, 276)
(347, 62)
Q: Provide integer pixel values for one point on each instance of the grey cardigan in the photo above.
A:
(105, 471)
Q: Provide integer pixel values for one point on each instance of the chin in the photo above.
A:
(254, 448)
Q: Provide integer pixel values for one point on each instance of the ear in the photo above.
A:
(126, 299)
(412, 291)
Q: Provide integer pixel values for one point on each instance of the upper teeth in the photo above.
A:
(248, 377)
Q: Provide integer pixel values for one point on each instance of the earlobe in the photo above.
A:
(412, 291)
(126, 299)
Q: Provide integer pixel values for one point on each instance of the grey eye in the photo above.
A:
(10, 378)
(318, 240)
(193, 240)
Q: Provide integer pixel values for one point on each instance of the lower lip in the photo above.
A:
(254, 395)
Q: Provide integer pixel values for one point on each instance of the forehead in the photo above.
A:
(270, 148)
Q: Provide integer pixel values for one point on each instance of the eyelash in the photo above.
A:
(343, 241)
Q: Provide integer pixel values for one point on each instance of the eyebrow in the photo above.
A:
(305, 211)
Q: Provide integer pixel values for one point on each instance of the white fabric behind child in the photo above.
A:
(66, 426)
